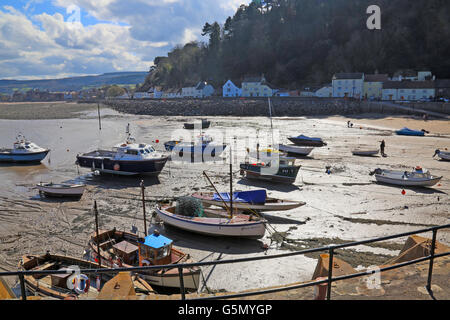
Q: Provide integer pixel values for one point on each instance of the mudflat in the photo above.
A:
(345, 205)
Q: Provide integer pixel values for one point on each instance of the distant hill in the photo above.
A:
(73, 84)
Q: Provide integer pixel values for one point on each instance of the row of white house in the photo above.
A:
(343, 85)
(201, 90)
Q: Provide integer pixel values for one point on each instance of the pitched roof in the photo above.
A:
(408, 85)
(349, 75)
(376, 77)
(253, 79)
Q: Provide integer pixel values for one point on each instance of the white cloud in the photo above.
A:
(134, 33)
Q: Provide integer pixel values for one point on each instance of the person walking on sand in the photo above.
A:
(382, 145)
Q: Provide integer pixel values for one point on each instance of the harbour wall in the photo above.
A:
(281, 107)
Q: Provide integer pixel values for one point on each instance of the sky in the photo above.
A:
(45, 39)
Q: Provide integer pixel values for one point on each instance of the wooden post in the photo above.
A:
(99, 257)
(231, 183)
(99, 119)
(143, 206)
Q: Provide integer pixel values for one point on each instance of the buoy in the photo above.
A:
(116, 167)
(403, 192)
(157, 141)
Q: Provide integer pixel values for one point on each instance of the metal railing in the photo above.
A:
(331, 250)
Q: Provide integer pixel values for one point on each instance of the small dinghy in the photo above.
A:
(443, 155)
(295, 150)
(416, 178)
(61, 189)
(365, 152)
(409, 132)
(204, 125)
(256, 200)
(23, 151)
(302, 140)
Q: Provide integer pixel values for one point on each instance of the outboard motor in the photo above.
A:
(436, 152)
(376, 171)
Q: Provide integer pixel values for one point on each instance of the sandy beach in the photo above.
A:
(346, 205)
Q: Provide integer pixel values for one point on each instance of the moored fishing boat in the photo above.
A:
(281, 170)
(61, 189)
(128, 158)
(23, 151)
(124, 249)
(204, 146)
(417, 178)
(256, 200)
(302, 140)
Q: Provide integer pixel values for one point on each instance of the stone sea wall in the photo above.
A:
(250, 107)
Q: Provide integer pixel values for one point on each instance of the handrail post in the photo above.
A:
(430, 268)
(330, 271)
(22, 287)
(180, 274)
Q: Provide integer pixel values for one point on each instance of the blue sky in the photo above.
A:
(60, 38)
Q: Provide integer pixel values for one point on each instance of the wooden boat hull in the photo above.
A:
(408, 182)
(39, 285)
(168, 278)
(365, 153)
(72, 191)
(271, 204)
(34, 157)
(297, 150)
(219, 227)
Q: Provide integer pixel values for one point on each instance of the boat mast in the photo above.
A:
(143, 206)
(226, 207)
(99, 257)
(271, 122)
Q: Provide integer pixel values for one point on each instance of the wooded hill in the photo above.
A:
(297, 42)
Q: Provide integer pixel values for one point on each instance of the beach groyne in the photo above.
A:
(251, 107)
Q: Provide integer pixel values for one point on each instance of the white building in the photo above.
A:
(231, 90)
(408, 90)
(325, 92)
(141, 95)
(201, 90)
(348, 85)
(172, 94)
(155, 92)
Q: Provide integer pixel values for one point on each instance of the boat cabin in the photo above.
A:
(155, 250)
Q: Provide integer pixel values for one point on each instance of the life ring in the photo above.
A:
(81, 284)
(418, 168)
(116, 167)
(145, 263)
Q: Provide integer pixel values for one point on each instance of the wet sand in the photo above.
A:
(344, 206)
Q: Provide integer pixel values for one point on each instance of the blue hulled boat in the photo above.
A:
(23, 151)
(409, 132)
